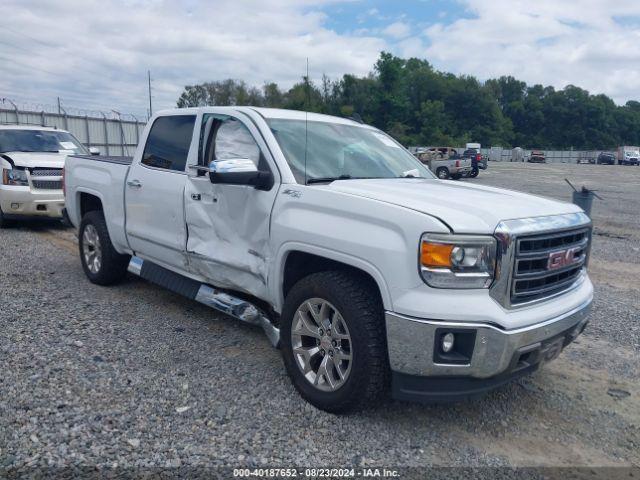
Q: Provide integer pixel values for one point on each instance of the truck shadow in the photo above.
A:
(38, 225)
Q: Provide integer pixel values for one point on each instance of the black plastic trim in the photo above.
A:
(413, 388)
(170, 280)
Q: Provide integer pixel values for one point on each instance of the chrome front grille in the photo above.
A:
(548, 264)
(539, 258)
(47, 185)
(46, 178)
(46, 172)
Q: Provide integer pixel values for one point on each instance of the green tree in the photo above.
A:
(419, 105)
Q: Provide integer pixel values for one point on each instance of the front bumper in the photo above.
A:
(497, 356)
(21, 202)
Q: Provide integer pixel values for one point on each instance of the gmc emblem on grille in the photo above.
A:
(563, 258)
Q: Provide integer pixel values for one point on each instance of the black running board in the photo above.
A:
(205, 294)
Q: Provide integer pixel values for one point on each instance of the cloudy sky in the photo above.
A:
(94, 54)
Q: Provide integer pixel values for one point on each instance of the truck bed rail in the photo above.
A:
(106, 158)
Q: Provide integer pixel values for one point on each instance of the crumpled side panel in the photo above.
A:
(229, 239)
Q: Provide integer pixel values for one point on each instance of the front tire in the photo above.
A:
(474, 172)
(101, 263)
(334, 341)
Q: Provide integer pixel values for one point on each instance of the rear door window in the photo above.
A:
(168, 142)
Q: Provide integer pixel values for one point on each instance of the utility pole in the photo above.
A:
(149, 78)
(308, 85)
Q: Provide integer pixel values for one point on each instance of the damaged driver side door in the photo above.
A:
(228, 225)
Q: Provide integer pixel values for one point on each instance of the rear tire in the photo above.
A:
(442, 173)
(335, 315)
(101, 263)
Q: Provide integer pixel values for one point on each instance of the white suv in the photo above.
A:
(32, 159)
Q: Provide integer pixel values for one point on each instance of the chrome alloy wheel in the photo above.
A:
(91, 249)
(321, 344)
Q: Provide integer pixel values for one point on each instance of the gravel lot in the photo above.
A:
(136, 376)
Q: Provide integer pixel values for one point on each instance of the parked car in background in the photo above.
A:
(586, 157)
(481, 159)
(32, 158)
(606, 158)
(369, 273)
(478, 162)
(454, 166)
(537, 156)
(628, 156)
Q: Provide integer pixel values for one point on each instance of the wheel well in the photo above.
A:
(301, 264)
(89, 203)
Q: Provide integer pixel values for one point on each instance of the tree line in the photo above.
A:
(419, 105)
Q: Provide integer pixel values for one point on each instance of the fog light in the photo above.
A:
(447, 342)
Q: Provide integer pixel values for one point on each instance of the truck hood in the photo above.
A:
(37, 159)
(465, 207)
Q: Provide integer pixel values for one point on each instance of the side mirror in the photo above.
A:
(94, 151)
(239, 171)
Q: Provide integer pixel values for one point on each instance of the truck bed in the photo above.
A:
(103, 177)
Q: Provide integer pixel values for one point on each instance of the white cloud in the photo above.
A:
(411, 47)
(549, 42)
(397, 30)
(96, 53)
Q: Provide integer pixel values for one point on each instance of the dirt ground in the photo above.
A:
(96, 374)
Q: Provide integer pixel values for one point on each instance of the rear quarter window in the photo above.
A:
(168, 142)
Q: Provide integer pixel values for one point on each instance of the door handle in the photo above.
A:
(134, 183)
(196, 196)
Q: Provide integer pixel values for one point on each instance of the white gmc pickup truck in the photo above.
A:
(367, 271)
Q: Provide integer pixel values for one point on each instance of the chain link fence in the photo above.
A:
(500, 154)
(112, 132)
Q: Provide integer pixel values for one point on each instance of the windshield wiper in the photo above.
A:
(328, 179)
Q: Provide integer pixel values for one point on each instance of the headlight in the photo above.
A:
(457, 261)
(14, 177)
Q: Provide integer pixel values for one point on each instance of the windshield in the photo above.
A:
(39, 141)
(335, 150)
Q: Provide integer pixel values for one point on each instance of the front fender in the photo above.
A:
(379, 238)
(359, 263)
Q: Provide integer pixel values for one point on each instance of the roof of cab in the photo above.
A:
(270, 113)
